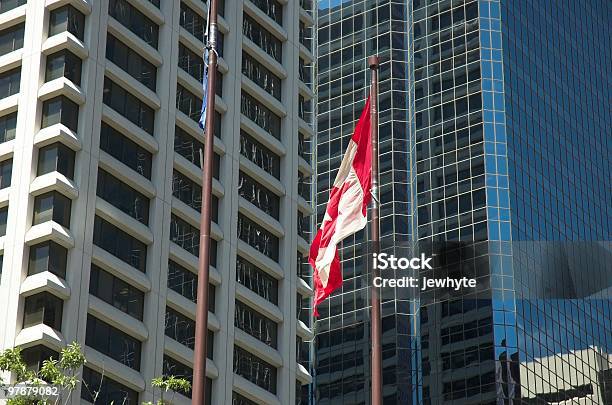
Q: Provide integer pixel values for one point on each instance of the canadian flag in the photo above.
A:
(346, 211)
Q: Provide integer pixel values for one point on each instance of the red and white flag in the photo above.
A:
(346, 211)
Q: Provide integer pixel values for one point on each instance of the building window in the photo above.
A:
(116, 292)
(238, 399)
(192, 22)
(303, 309)
(260, 115)
(259, 154)
(303, 187)
(43, 308)
(303, 268)
(189, 148)
(306, 5)
(304, 110)
(256, 280)
(304, 147)
(48, 256)
(7, 5)
(9, 82)
(64, 64)
(180, 328)
(257, 237)
(193, 64)
(188, 237)
(122, 196)
(258, 195)
(8, 127)
(3, 219)
(196, 24)
(188, 103)
(304, 36)
(185, 235)
(262, 38)
(271, 8)
(131, 62)
(11, 38)
(134, 20)
(60, 110)
(302, 352)
(34, 357)
(187, 191)
(125, 150)
(254, 369)
(175, 368)
(56, 157)
(69, 19)
(52, 206)
(120, 244)
(190, 193)
(305, 72)
(303, 225)
(185, 283)
(6, 171)
(112, 342)
(255, 324)
(261, 75)
(131, 107)
(108, 391)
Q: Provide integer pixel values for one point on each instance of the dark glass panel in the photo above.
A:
(48, 256)
(134, 20)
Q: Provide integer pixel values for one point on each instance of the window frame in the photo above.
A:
(113, 290)
(71, 67)
(68, 112)
(64, 159)
(74, 22)
(6, 173)
(129, 106)
(135, 21)
(107, 339)
(128, 152)
(54, 261)
(37, 307)
(120, 242)
(60, 209)
(8, 133)
(122, 196)
(13, 35)
(134, 64)
(107, 388)
(10, 79)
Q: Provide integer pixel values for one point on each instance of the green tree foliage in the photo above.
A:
(63, 373)
(168, 383)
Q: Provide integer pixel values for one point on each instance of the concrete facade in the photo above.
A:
(78, 239)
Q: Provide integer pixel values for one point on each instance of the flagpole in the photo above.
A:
(375, 319)
(201, 326)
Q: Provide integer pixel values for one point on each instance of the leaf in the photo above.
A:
(72, 357)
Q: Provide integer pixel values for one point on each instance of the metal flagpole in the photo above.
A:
(201, 326)
(375, 239)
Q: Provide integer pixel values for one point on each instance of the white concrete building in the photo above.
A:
(99, 199)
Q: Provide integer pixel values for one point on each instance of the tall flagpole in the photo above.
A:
(201, 326)
(375, 238)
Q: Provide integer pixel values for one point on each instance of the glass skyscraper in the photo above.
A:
(495, 142)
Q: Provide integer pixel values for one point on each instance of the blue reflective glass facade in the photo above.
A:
(495, 129)
(349, 31)
(556, 64)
